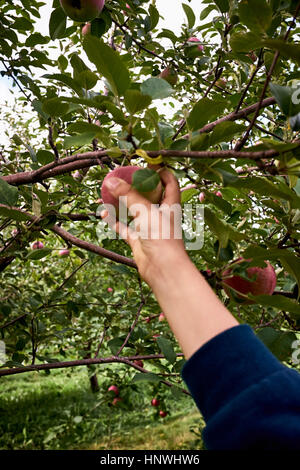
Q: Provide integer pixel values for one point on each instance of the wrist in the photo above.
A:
(167, 268)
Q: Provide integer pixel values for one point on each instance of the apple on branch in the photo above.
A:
(82, 10)
(126, 173)
(262, 281)
(170, 75)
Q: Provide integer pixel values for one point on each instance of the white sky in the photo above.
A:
(170, 10)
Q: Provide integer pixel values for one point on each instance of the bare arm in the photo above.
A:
(194, 312)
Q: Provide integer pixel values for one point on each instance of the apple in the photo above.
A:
(202, 197)
(126, 173)
(219, 194)
(139, 363)
(110, 289)
(113, 388)
(37, 245)
(155, 337)
(162, 317)
(221, 83)
(189, 186)
(64, 252)
(163, 414)
(77, 175)
(82, 10)
(147, 319)
(155, 402)
(195, 39)
(263, 283)
(169, 75)
(86, 29)
(116, 401)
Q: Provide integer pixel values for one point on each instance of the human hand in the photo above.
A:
(156, 238)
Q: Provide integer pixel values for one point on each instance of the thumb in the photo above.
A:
(118, 187)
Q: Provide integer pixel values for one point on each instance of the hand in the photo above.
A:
(156, 239)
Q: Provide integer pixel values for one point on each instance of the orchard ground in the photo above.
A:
(58, 411)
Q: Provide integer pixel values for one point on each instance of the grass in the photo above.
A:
(58, 411)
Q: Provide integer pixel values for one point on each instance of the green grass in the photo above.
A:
(58, 411)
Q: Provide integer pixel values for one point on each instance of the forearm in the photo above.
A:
(194, 312)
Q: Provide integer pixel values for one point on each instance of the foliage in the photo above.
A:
(89, 104)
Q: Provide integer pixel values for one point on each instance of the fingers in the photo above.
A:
(119, 188)
(125, 232)
(172, 191)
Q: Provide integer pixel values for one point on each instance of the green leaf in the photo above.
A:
(255, 14)
(154, 16)
(244, 42)
(44, 157)
(225, 131)
(149, 377)
(136, 101)
(166, 348)
(223, 5)
(291, 51)
(38, 254)
(189, 14)
(279, 302)
(14, 214)
(157, 88)
(66, 80)
(82, 126)
(108, 63)
(8, 193)
(98, 27)
(279, 342)
(285, 98)
(22, 24)
(55, 107)
(188, 194)
(204, 111)
(79, 140)
(206, 12)
(145, 180)
(115, 344)
(57, 24)
(87, 79)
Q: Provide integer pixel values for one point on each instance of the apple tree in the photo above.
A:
(218, 104)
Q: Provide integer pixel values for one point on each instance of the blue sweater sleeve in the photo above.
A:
(248, 399)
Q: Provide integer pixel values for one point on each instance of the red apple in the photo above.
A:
(221, 83)
(195, 39)
(139, 363)
(202, 197)
(113, 388)
(155, 337)
(170, 75)
(163, 414)
(155, 402)
(77, 175)
(219, 194)
(263, 283)
(110, 289)
(82, 10)
(116, 401)
(86, 29)
(162, 317)
(37, 245)
(126, 173)
(147, 319)
(189, 186)
(64, 252)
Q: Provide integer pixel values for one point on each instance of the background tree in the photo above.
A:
(94, 104)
